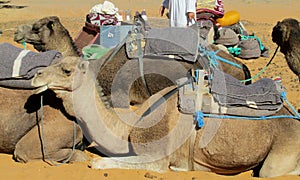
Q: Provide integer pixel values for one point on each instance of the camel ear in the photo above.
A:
(83, 66)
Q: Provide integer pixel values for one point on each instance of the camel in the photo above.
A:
(20, 122)
(49, 34)
(163, 138)
(286, 34)
(28, 123)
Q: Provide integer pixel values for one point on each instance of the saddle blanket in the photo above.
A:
(227, 95)
(180, 42)
(18, 66)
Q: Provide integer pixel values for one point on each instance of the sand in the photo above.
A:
(259, 17)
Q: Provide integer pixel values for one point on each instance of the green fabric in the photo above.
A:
(94, 51)
(234, 50)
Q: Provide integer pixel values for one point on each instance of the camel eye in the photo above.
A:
(66, 71)
(50, 25)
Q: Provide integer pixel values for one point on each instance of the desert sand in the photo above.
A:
(258, 16)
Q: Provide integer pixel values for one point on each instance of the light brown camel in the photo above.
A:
(20, 135)
(286, 34)
(167, 139)
(49, 34)
(21, 114)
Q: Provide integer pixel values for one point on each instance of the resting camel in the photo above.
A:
(167, 139)
(22, 131)
(286, 34)
(20, 124)
(49, 34)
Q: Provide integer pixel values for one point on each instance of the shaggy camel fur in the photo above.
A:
(20, 135)
(286, 34)
(165, 138)
(49, 34)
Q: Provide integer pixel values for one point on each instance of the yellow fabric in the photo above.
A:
(229, 18)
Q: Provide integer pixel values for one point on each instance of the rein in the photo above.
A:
(141, 62)
(263, 69)
(43, 141)
(161, 100)
(140, 57)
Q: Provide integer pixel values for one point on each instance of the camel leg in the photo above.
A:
(283, 160)
(64, 154)
(57, 141)
(132, 162)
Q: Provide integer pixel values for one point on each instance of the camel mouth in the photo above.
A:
(40, 89)
(276, 34)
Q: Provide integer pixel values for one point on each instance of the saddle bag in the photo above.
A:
(249, 49)
(227, 37)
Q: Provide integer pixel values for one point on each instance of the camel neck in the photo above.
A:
(102, 124)
(68, 48)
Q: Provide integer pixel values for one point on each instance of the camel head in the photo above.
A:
(45, 34)
(286, 34)
(65, 76)
(282, 31)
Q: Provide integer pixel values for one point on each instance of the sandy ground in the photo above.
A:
(258, 16)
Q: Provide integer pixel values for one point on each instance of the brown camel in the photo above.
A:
(286, 34)
(49, 34)
(167, 139)
(20, 125)
(22, 132)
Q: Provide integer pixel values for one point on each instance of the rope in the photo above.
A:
(141, 64)
(263, 69)
(283, 95)
(43, 141)
(199, 84)
(201, 115)
(158, 102)
(261, 46)
(24, 45)
(198, 116)
(213, 57)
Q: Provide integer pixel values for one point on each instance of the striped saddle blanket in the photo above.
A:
(18, 66)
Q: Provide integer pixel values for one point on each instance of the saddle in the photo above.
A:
(177, 43)
(223, 94)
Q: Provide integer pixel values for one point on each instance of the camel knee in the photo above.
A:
(20, 155)
(272, 171)
(79, 156)
(286, 166)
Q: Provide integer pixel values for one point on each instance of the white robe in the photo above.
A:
(178, 10)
